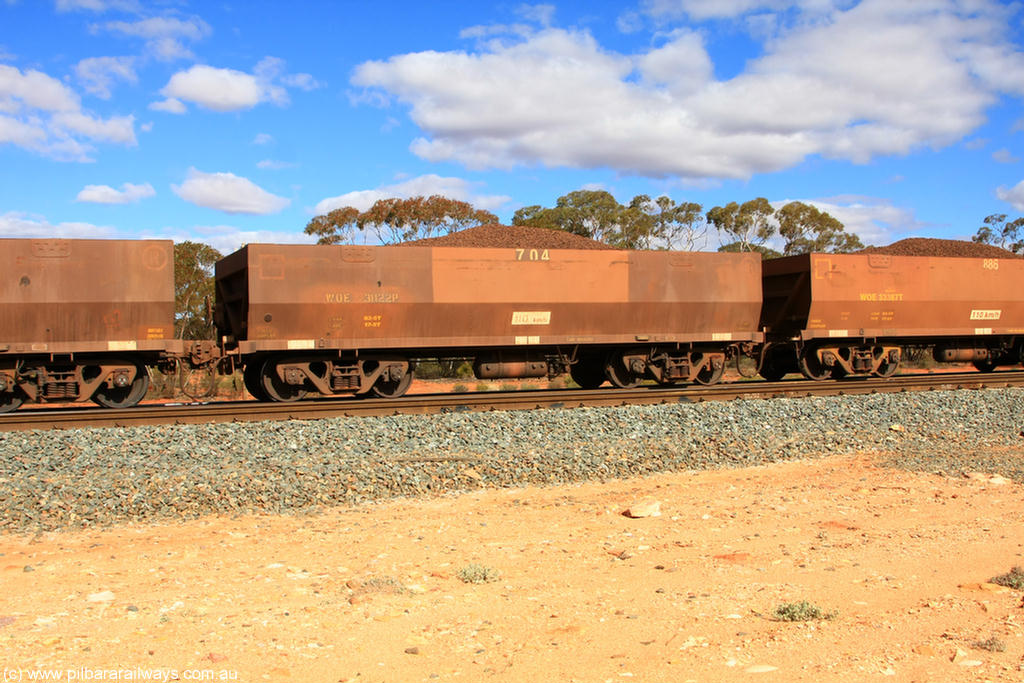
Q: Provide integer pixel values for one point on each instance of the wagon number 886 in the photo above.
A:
(532, 255)
(990, 264)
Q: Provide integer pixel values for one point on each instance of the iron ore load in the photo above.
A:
(89, 319)
(347, 319)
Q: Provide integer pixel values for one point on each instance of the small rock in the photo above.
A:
(984, 587)
(644, 508)
(760, 669)
(215, 657)
(412, 650)
(925, 650)
(897, 428)
(28, 568)
(102, 596)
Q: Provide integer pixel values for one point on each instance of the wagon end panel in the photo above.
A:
(71, 295)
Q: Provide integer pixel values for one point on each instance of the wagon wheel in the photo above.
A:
(839, 372)
(276, 389)
(984, 365)
(618, 374)
(588, 373)
(124, 397)
(887, 368)
(709, 374)
(251, 380)
(10, 401)
(198, 383)
(392, 388)
(811, 367)
(774, 366)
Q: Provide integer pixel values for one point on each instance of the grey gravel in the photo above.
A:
(89, 477)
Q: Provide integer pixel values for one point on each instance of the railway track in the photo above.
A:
(250, 411)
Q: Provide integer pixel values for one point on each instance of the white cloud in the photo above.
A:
(273, 165)
(880, 78)
(165, 36)
(424, 185)
(1004, 156)
(217, 89)
(876, 221)
(263, 139)
(98, 74)
(18, 224)
(230, 90)
(730, 9)
(1013, 196)
(227, 239)
(41, 114)
(104, 194)
(229, 193)
(97, 5)
(170, 105)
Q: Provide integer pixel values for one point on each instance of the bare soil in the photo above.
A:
(583, 592)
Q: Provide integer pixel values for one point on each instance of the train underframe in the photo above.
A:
(836, 359)
(291, 376)
(110, 381)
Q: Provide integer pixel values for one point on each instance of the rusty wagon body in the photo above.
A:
(838, 314)
(350, 318)
(82, 318)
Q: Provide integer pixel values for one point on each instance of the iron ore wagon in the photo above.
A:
(82, 319)
(352, 319)
(845, 314)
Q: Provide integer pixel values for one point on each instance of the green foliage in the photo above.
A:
(483, 386)
(477, 573)
(766, 252)
(193, 286)
(643, 224)
(804, 228)
(1013, 579)
(748, 225)
(800, 611)
(460, 389)
(996, 231)
(807, 229)
(398, 220)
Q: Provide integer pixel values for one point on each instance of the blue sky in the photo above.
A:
(230, 122)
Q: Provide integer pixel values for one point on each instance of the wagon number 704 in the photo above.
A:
(532, 255)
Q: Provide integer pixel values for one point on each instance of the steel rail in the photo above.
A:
(252, 411)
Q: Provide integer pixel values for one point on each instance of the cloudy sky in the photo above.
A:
(238, 121)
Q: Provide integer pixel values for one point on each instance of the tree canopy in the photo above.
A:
(808, 229)
(193, 287)
(748, 225)
(998, 232)
(802, 227)
(642, 224)
(398, 220)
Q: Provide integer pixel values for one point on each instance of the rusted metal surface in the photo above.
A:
(77, 296)
(44, 418)
(304, 298)
(830, 296)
